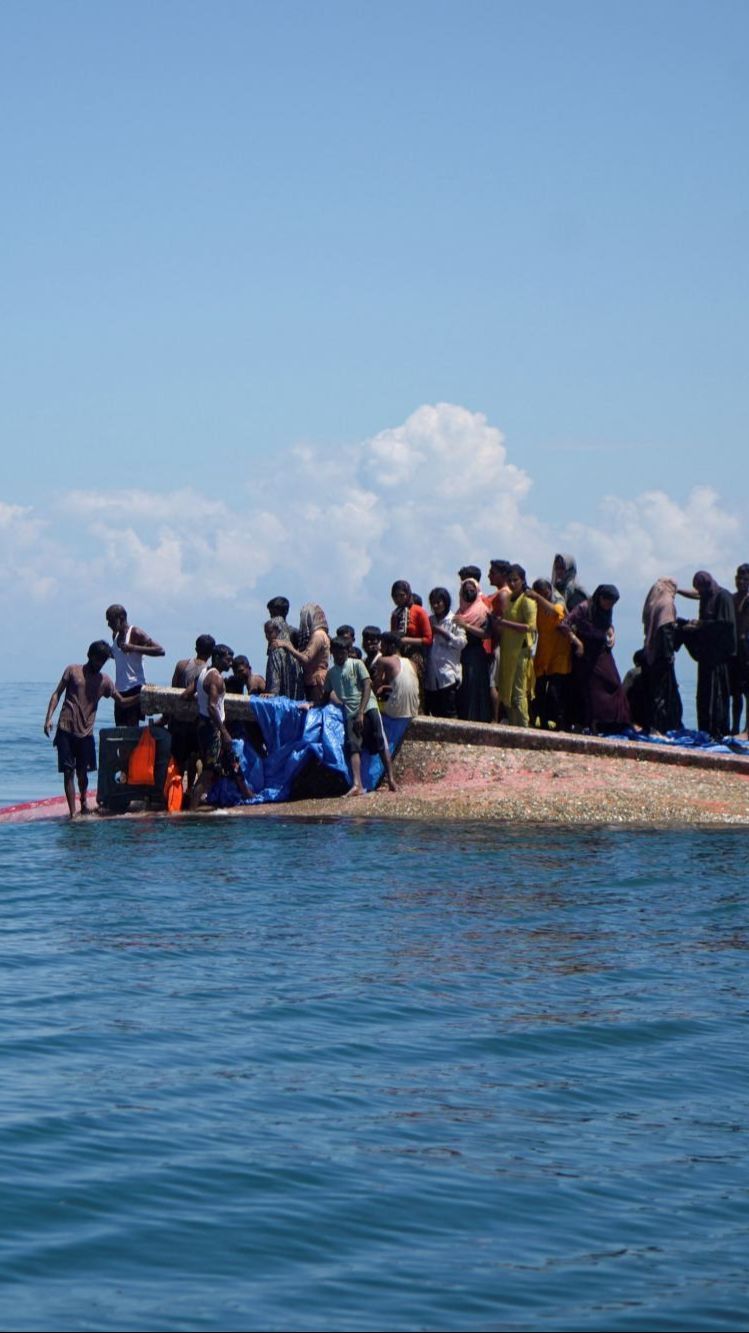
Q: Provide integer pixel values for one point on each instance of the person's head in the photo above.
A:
(516, 580)
(311, 618)
(98, 653)
(355, 651)
(222, 657)
(498, 571)
(605, 597)
(417, 599)
(440, 602)
(703, 583)
(391, 644)
(543, 588)
(275, 628)
(370, 637)
(278, 606)
(639, 658)
(469, 572)
(401, 593)
(742, 579)
(116, 616)
(339, 650)
(469, 590)
(346, 632)
(564, 570)
(204, 646)
(241, 668)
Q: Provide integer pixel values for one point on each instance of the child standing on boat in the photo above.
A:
(348, 685)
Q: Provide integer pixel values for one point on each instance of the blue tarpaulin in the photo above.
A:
(686, 738)
(293, 738)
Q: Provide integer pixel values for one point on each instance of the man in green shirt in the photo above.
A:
(348, 685)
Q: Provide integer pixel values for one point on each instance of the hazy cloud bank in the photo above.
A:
(414, 501)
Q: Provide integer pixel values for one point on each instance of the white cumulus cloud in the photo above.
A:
(337, 525)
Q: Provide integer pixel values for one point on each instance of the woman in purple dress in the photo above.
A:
(603, 703)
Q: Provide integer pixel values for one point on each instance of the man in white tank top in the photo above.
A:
(214, 738)
(394, 673)
(129, 646)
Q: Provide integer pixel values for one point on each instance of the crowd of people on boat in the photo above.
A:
(527, 655)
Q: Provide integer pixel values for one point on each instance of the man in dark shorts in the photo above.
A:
(129, 646)
(214, 738)
(185, 734)
(348, 685)
(83, 687)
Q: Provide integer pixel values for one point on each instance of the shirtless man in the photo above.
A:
(244, 678)
(188, 668)
(129, 646)
(83, 687)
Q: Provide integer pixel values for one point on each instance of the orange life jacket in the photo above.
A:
(173, 787)
(142, 761)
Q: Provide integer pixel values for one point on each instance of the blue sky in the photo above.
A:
(235, 231)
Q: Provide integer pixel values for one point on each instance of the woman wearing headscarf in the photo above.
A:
(602, 699)
(566, 589)
(474, 699)
(711, 641)
(517, 635)
(313, 651)
(740, 663)
(283, 674)
(663, 710)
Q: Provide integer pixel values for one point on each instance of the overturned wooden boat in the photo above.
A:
(469, 770)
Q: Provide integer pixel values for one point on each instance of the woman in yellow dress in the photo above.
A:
(517, 633)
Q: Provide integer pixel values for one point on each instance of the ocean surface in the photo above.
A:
(259, 1074)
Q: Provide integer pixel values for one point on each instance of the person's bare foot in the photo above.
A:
(354, 791)
(392, 785)
(86, 809)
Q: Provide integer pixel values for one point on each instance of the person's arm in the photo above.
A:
(691, 593)
(304, 655)
(214, 694)
(53, 702)
(120, 698)
(475, 631)
(443, 630)
(383, 675)
(542, 601)
(366, 694)
(519, 625)
(190, 690)
(424, 636)
(140, 642)
(273, 671)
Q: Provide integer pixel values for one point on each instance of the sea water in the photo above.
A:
(259, 1074)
